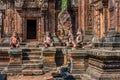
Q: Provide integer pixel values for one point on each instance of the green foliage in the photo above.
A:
(64, 4)
(63, 7)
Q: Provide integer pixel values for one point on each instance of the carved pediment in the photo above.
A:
(93, 1)
(28, 3)
(2, 5)
(18, 3)
(98, 5)
(74, 3)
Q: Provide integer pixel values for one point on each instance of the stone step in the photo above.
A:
(3, 66)
(14, 71)
(76, 76)
(4, 59)
(77, 71)
(86, 77)
(14, 68)
(32, 58)
(32, 61)
(32, 72)
(33, 65)
(4, 54)
(4, 44)
(32, 52)
(33, 49)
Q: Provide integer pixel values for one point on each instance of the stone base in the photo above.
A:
(101, 75)
(111, 41)
(104, 64)
(15, 55)
(108, 45)
(77, 61)
(49, 58)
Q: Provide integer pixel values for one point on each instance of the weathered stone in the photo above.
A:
(77, 61)
(104, 64)
(49, 58)
(15, 55)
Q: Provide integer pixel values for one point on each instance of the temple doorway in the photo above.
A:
(31, 29)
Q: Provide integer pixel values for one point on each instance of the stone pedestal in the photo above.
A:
(104, 64)
(15, 64)
(15, 55)
(49, 59)
(78, 61)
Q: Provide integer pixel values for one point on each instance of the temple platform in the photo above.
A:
(83, 64)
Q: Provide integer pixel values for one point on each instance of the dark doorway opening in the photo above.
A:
(31, 29)
(59, 58)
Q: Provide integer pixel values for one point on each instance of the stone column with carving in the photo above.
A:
(1, 24)
(105, 19)
(118, 15)
(42, 26)
(51, 15)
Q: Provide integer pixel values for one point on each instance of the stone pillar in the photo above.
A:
(15, 64)
(39, 32)
(76, 21)
(23, 28)
(49, 59)
(1, 19)
(83, 14)
(46, 22)
(51, 16)
(42, 26)
(105, 19)
(77, 59)
(15, 55)
(118, 16)
(79, 14)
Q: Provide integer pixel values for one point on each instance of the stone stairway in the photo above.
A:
(32, 61)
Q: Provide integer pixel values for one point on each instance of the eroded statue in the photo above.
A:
(48, 41)
(14, 40)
